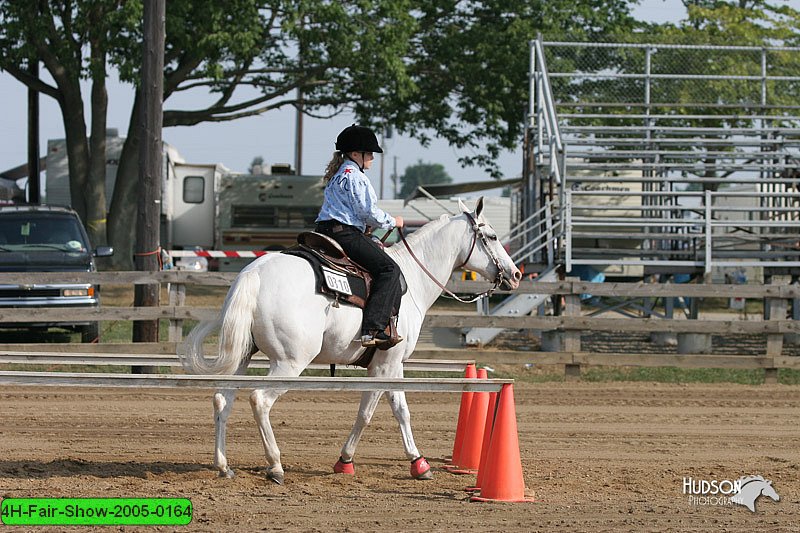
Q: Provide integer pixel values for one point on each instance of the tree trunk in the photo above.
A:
(122, 215)
(96, 184)
(77, 147)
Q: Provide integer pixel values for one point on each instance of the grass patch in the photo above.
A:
(662, 374)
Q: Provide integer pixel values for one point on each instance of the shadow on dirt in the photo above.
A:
(72, 467)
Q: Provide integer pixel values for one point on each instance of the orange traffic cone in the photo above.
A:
(503, 480)
(470, 456)
(487, 437)
(463, 415)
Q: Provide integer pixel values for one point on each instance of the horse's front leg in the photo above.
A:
(383, 366)
(369, 401)
(420, 469)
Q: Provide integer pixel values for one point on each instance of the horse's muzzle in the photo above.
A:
(510, 283)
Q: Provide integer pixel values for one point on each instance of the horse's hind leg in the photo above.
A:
(223, 404)
(262, 400)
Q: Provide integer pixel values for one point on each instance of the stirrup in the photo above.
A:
(379, 339)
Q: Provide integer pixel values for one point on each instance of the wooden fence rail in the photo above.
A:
(224, 279)
(433, 320)
(775, 296)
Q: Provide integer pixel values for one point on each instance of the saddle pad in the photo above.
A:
(346, 288)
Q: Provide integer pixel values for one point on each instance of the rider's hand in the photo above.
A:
(398, 221)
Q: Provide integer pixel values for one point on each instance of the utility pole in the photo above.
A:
(298, 142)
(394, 176)
(383, 156)
(388, 133)
(34, 188)
(148, 217)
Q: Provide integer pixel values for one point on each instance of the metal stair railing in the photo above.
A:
(549, 165)
(544, 117)
(540, 229)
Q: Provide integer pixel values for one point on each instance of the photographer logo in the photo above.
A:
(744, 491)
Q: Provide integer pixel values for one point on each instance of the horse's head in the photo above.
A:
(486, 254)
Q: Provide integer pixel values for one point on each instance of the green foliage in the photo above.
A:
(255, 54)
(422, 174)
(469, 67)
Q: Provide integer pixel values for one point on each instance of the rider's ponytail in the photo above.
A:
(333, 165)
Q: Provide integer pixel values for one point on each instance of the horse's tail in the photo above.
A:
(235, 323)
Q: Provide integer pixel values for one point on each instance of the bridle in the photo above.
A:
(477, 233)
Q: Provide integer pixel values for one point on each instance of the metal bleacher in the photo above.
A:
(662, 163)
(645, 159)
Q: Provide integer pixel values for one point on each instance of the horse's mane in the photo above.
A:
(421, 233)
(430, 227)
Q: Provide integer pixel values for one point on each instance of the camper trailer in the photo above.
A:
(206, 205)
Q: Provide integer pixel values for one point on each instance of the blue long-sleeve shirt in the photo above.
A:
(350, 199)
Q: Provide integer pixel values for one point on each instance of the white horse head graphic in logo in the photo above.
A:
(751, 488)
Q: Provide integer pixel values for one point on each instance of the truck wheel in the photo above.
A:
(90, 333)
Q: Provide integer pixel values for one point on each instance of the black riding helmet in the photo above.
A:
(357, 139)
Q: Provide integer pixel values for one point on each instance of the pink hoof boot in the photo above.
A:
(420, 469)
(344, 468)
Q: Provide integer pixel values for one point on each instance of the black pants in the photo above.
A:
(384, 298)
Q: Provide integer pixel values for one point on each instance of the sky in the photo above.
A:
(271, 136)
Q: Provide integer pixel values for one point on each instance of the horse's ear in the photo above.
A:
(462, 206)
(479, 207)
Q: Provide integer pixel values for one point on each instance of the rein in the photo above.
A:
(475, 233)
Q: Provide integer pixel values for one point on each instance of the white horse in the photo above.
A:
(273, 306)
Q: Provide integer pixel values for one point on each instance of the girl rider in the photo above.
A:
(350, 206)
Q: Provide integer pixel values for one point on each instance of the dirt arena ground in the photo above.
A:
(597, 456)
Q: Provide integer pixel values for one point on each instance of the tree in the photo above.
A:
(73, 42)
(252, 56)
(422, 174)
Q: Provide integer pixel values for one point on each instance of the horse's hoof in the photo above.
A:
(227, 474)
(342, 467)
(275, 477)
(420, 469)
